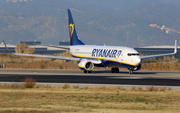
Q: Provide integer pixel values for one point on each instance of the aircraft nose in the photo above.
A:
(137, 60)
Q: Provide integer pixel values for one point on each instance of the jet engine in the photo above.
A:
(86, 65)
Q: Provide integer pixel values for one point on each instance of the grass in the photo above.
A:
(27, 97)
(89, 100)
(22, 62)
(167, 63)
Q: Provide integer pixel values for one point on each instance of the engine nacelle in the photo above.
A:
(86, 65)
(137, 67)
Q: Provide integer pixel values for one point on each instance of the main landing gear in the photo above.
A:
(115, 70)
(87, 71)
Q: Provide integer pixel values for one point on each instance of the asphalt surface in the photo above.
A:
(96, 77)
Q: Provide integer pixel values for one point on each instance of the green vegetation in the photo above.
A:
(29, 97)
(42, 99)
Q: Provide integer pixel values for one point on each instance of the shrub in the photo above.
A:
(152, 88)
(163, 88)
(29, 82)
(86, 87)
(133, 88)
(66, 86)
(24, 48)
(75, 86)
(140, 89)
(42, 66)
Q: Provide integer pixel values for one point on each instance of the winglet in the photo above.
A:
(6, 46)
(175, 48)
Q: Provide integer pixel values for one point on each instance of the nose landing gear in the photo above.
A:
(131, 69)
(130, 72)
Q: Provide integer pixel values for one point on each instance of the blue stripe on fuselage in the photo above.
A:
(106, 63)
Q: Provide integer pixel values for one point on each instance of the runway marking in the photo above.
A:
(141, 78)
(125, 77)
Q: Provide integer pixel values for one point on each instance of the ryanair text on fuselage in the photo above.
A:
(111, 53)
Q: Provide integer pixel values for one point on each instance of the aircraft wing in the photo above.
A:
(48, 56)
(96, 61)
(44, 56)
(63, 47)
(160, 55)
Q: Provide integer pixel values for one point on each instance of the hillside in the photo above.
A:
(46, 21)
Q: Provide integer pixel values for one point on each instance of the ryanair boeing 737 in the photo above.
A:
(89, 56)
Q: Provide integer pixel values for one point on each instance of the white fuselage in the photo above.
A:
(112, 55)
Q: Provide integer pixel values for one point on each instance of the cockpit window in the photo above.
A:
(133, 54)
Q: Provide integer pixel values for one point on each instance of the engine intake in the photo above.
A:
(89, 66)
(86, 65)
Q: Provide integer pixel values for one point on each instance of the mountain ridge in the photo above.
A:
(47, 22)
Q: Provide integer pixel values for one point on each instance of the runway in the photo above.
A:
(159, 78)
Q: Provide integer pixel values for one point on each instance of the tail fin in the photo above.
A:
(72, 31)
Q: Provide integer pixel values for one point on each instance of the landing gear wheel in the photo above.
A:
(85, 71)
(112, 70)
(89, 71)
(117, 70)
(130, 72)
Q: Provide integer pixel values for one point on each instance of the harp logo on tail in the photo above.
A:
(71, 29)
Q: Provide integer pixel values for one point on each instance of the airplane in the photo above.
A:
(89, 56)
